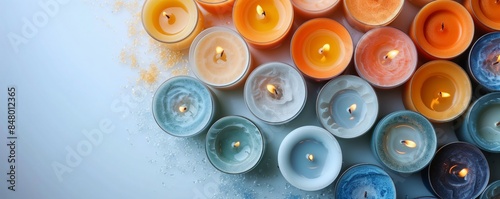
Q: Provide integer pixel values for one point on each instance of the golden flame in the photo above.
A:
(325, 48)
(391, 54)
(166, 15)
(462, 173)
(219, 50)
(444, 94)
(498, 60)
(183, 109)
(272, 89)
(352, 108)
(236, 144)
(260, 11)
(409, 143)
(310, 157)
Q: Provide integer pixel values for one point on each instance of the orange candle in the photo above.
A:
(174, 22)
(440, 90)
(216, 6)
(314, 9)
(420, 3)
(442, 29)
(321, 48)
(263, 23)
(368, 14)
(486, 13)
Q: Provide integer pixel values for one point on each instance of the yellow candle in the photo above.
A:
(174, 22)
(365, 15)
(486, 13)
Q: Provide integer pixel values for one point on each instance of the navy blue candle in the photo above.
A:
(365, 181)
(484, 61)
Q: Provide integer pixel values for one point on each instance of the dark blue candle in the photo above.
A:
(365, 181)
(484, 61)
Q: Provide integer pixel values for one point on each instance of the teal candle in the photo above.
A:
(365, 181)
(234, 145)
(492, 191)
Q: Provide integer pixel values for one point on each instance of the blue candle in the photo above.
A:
(183, 106)
(484, 61)
(492, 191)
(234, 145)
(365, 181)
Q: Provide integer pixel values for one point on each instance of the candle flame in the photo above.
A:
(166, 15)
(391, 54)
(236, 144)
(260, 11)
(444, 94)
(219, 50)
(498, 60)
(352, 108)
(409, 143)
(272, 89)
(325, 48)
(182, 109)
(463, 173)
(310, 157)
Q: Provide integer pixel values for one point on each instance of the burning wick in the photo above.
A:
(498, 59)
(325, 48)
(272, 89)
(261, 11)
(498, 124)
(409, 143)
(236, 144)
(183, 109)
(310, 157)
(351, 109)
(219, 54)
(444, 94)
(166, 15)
(463, 173)
(391, 54)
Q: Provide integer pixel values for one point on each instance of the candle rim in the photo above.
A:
(475, 50)
(297, 7)
(390, 19)
(212, 2)
(357, 166)
(472, 116)
(480, 17)
(494, 184)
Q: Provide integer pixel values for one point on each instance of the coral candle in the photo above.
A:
(216, 6)
(311, 9)
(368, 14)
(485, 13)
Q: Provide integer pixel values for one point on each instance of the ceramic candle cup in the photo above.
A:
(216, 6)
(484, 61)
(365, 181)
(365, 15)
(234, 145)
(492, 191)
(314, 9)
(183, 106)
(347, 106)
(484, 13)
(310, 158)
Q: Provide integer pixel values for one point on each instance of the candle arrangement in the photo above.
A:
(365, 181)
(484, 59)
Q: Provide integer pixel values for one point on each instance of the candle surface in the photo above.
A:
(365, 181)
(317, 8)
(485, 13)
(368, 14)
(484, 61)
(216, 6)
(492, 191)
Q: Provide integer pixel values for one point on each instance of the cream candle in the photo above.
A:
(314, 9)
(485, 13)
(368, 14)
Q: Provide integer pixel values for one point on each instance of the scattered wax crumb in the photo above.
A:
(149, 76)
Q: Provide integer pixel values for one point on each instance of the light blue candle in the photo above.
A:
(404, 141)
(234, 145)
(365, 181)
(492, 191)
(484, 59)
(183, 106)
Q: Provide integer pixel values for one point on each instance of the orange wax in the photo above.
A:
(174, 22)
(440, 90)
(216, 6)
(314, 9)
(368, 14)
(310, 54)
(486, 13)
(266, 29)
(442, 29)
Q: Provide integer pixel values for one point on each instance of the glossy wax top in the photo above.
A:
(365, 181)
(374, 12)
(483, 119)
(484, 61)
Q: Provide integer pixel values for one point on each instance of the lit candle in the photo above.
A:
(492, 191)
(485, 13)
(310, 158)
(275, 93)
(365, 181)
(347, 106)
(458, 170)
(314, 9)
(484, 61)
(442, 30)
(321, 48)
(440, 90)
(220, 58)
(263, 23)
(368, 14)
(404, 141)
(216, 6)
(175, 22)
(234, 145)
(183, 106)
(386, 57)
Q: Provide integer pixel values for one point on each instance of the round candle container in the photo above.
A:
(404, 141)
(216, 6)
(234, 145)
(386, 57)
(183, 106)
(368, 14)
(321, 48)
(365, 181)
(484, 13)
(442, 30)
(420, 3)
(458, 170)
(220, 57)
(492, 191)
(174, 22)
(263, 23)
(440, 90)
(484, 61)
(481, 125)
(275, 93)
(347, 106)
(314, 9)
(310, 158)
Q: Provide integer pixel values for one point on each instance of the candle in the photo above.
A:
(365, 181)
(492, 191)
(234, 145)
(175, 22)
(484, 13)
(314, 9)
(183, 106)
(420, 3)
(481, 125)
(263, 23)
(309, 158)
(216, 6)
(442, 29)
(347, 106)
(275, 93)
(386, 57)
(484, 61)
(368, 14)
(458, 170)
(220, 57)
(440, 90)
(404, 141)
(321, 48)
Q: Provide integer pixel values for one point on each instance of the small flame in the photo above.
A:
(182, 109)
(260, 11)
(391, 54)
(444, 94)
(236, 144)
(310, 157)
(352, 108)
(219, 50)
(325, 48)
(462, 173)
(409, 143)
(272, 89)
(166, 15)
(498, 60)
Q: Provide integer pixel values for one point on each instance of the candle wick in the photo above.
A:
(366, 194)
(236, 144)
(498, 124)
(166, 15)
(442, 26)
(495, 63)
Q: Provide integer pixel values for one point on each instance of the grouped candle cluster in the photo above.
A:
(347, 106)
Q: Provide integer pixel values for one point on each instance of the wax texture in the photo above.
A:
(365, 181)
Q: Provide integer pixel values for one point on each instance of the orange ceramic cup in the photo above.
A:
(486, 13)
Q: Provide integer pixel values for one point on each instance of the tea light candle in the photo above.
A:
(220, 57)
(484, 61)
(404, 141)
(442, 30)
(175, 22)
(440, 90)
(234, 145)
(368, 14)
(492, 191)
(263, 23)
(458, 170)
(347, 106)
(216, 6)
(275, 92)
(365, 181)
(321, 48)
(310, 158)
(386, 57)
(481, 125)
(314, 9)
(484, 13)
(183, 106)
